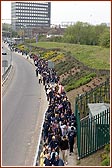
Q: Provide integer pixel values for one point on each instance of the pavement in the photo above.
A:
(72, 160)
(32, 154)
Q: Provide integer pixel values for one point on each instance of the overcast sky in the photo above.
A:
(93, 12)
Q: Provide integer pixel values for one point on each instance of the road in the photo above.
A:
(20, 110)
(6, 57)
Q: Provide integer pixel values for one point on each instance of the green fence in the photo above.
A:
(99, 94)
(92, 132)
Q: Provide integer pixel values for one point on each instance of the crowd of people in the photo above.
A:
(59, 128)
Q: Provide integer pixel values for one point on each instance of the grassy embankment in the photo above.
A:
(77, 64)
(93, 56)
(73, 63)
(73, 73)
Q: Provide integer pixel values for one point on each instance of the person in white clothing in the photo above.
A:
(40, 78)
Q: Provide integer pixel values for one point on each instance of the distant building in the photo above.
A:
(30, 14)
(66, 24)
(55, 32)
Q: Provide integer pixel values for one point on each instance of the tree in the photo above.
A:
(104, 39)
(84, 33)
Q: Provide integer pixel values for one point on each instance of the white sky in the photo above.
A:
(93, 12)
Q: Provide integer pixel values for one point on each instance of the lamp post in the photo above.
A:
(90, 19)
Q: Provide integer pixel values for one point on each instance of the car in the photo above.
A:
(4, 52)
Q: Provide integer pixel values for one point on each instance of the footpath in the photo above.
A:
(33, 151)
(72, 159)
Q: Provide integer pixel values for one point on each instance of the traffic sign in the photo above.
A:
(50, 64)
(4, 63)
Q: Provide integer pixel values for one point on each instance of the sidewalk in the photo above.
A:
(72, 160)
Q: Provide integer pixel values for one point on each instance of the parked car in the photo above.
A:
(4, 52)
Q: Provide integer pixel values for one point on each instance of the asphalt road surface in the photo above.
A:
(20, 108)
(6, 57)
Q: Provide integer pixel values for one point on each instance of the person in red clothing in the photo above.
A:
(64, 145)
(61, 89)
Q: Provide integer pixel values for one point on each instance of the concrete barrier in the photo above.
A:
(6, 74)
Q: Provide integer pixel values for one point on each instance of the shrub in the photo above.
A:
(107, 148)
(106, 162)
(106, 156)
(82, 81)
(58, 57)
(103, 156)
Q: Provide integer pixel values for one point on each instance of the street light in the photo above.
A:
(90, 19)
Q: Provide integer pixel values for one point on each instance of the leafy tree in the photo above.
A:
(104, 39)
(84, 33)
(6, 26)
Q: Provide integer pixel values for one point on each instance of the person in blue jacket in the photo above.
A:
(58, 161)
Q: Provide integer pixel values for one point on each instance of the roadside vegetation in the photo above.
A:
(74, 72)
(93, 56)
(105, 156)
(75, 64)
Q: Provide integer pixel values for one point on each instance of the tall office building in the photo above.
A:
(30, 14)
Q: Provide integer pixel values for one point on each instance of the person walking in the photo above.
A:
(46, 126)
(51, 95)
(54, 144)
(58, 161)
(64, 146)
(36, 71)
(47, 92)
(48, 160)
(71, 137)
(44, 79)
(63, 129)
(40, 78)
(43, 155)
(53, 153)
